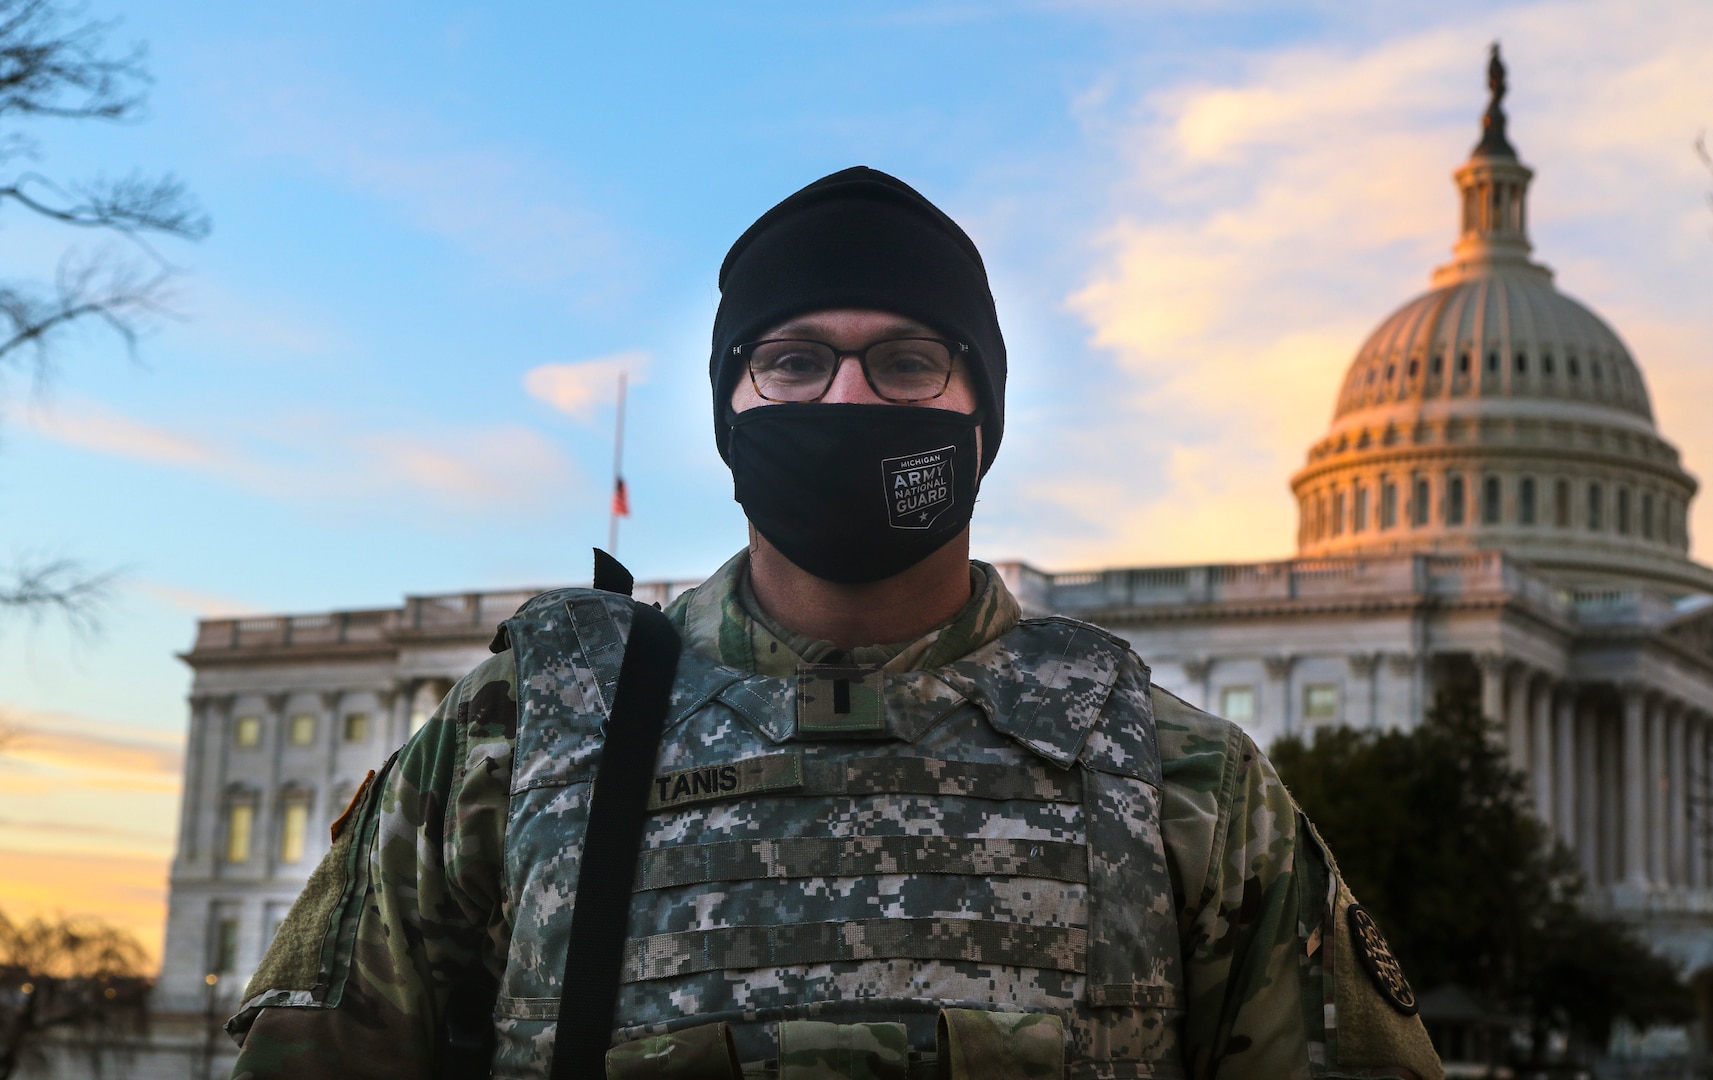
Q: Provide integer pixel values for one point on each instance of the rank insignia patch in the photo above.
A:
(1378, 961)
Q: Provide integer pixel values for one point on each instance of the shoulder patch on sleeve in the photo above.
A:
(307, 961)
(1378, 961)
(1373, 1028)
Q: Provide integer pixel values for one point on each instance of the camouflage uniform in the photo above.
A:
(998, 840)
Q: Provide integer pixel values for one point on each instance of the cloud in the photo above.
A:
(1274, 211)
(67, 743)
(576, 388)
(93, 426)
(207, 605)
(321, 457)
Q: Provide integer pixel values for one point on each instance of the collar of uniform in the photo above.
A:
(720, 618)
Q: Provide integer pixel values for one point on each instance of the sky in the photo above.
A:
(441, 231)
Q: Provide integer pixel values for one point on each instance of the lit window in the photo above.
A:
(1320, 701)
(356, 727)
(247, 731)
(294, 826)
(1526, 501)
(302, 729)
(1237, 704)
(240, 820)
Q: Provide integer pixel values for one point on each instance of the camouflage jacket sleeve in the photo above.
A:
(404, 910)
(1274, 985)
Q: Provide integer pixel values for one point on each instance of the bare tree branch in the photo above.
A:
(1706, 157)
(55, 65)
(49, 70)
(57, 585)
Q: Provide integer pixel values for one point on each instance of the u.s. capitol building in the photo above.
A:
(1491, 509)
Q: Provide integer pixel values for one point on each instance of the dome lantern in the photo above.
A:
(1494, 187)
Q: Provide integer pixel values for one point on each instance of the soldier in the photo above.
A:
(895, 827)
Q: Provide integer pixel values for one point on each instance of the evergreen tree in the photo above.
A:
(1435, 834)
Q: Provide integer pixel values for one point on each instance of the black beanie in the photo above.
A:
(859, 239)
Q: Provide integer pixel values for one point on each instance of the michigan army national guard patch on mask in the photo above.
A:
(918, 487)
(1378, 961)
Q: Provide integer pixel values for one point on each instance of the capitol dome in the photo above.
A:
(1494, 411)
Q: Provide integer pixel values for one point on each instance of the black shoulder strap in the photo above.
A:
(600, 917)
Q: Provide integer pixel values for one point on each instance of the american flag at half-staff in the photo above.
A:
(621, 497)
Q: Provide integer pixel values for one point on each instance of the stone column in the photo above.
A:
(1541, 751)
(1592, 800)
(404, 698)
(1517, 721)
(1199, 671)
(1677, 855)
(1279, 695)
(1364, 709)
(1695, 796)
(1492, 667)
(1565, 788)
(201, 705)
(320, 816)
(1404, 671)
(1633, 850)
(1657, 781)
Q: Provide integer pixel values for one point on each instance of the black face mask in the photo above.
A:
(855, 493)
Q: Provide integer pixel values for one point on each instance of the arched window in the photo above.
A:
(1454, 497)
(1361, 522)
(1526, 501)
(1419, 505)
(1594, 507)
(1388, 503)
(1522, 363)
(1647, 515)
(1561, 502)
(1624, 511)
(1490, 504)
(1338, 512)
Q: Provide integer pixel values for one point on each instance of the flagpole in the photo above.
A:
(618, 475)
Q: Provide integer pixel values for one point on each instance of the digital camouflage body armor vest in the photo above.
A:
(855, 846)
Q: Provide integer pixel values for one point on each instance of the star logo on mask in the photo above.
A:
(918, 487)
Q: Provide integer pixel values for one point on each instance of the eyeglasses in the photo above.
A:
(900, 370)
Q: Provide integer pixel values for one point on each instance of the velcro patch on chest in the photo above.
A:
(840, 700)
(733, 780)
